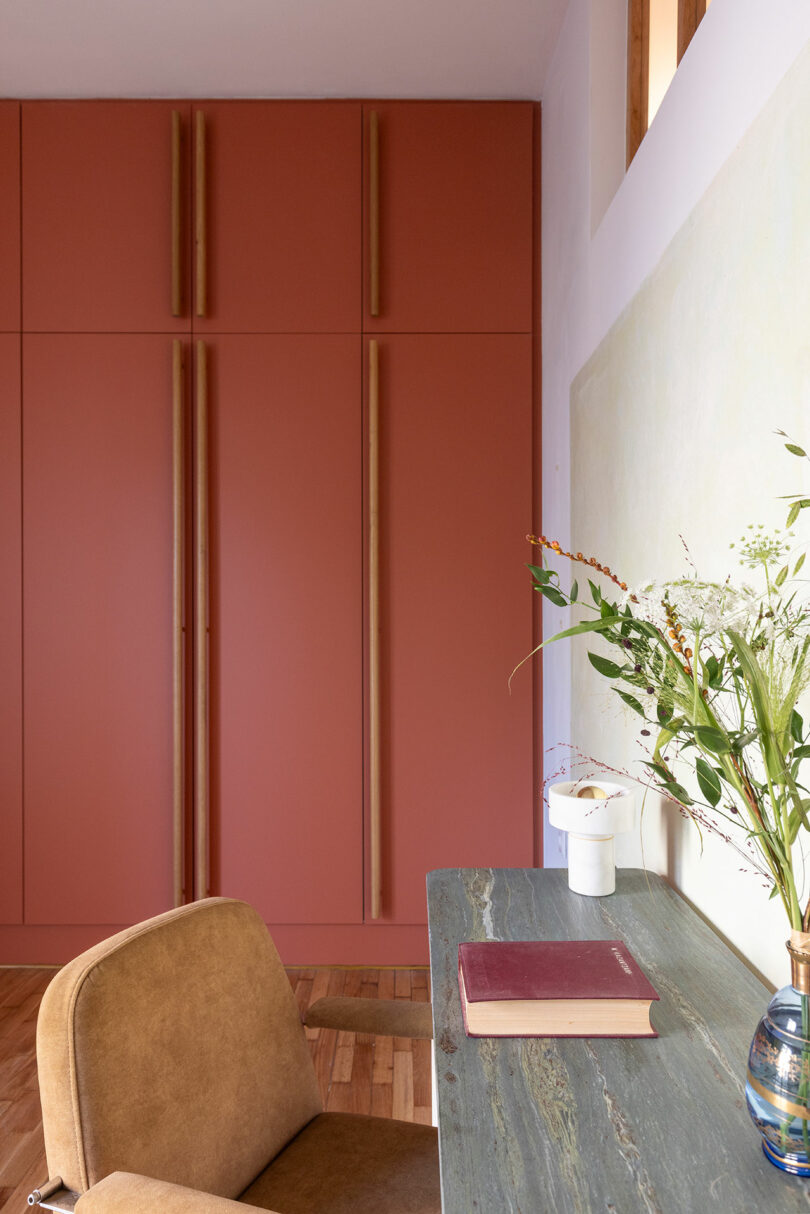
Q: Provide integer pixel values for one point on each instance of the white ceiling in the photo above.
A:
(277, 48)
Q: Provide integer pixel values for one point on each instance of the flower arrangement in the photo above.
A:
(715, 672)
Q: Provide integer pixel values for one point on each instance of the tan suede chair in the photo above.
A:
(386, 1017)
(175, 1076)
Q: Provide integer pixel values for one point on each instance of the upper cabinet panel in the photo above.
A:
(448, 217)
(99, 216)
(277, 204)
(9, 217)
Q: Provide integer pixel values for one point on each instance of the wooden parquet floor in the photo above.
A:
(386, 1076)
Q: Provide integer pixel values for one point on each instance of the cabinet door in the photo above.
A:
(9, 216)
(10, 635)
(97, 216)
(456, 618)
(285, 606)
(282, 197)
(455, 217)
(97, 475)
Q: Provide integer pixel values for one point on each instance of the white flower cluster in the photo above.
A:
(709, 608)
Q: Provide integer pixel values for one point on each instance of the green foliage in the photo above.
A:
(553, 595)
(798, 818)
(585, 626)
(609, 669)
(800, 504)
(714, 672)
(631, 702)
(796, 726)
(678, 792)
(723, 667)
(713, 739)
(709, 781)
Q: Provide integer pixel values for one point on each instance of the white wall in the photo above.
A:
(724, 82)
(276, 48)
(608, 91)
(566, 244)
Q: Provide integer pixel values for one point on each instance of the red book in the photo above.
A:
(553, 988)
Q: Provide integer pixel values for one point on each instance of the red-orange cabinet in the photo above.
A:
(97, 505)
(10, 634)
(252, 220)
(452, 187)
(9, 216)
(455, 503)
(97, 216)
(139, 215)
(279, 185)
(286, 625)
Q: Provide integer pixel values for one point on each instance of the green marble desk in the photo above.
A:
(573, 1126)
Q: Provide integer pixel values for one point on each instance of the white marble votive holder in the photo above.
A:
(591, 823)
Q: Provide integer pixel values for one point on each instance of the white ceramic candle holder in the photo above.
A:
(591, 822)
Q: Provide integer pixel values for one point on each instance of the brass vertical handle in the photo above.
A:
(374, 625)
(201, 633)
(200, 243)
(177, 263)
(178, 614)
(374, 211)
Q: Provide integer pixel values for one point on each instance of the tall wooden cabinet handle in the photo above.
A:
(178, 616)
(200, 243)
(374, 212)
(177, 263)
(374, 625)
(201, 633)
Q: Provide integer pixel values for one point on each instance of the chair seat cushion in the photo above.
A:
(346, 1163)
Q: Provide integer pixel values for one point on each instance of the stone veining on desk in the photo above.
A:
(547, 1082)
(653, 1126)
(695, 1024)
(627, 1144)
(694, 1021)
(481, 902)
(508, 1161)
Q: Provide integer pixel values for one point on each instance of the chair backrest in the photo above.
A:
(175, 1050)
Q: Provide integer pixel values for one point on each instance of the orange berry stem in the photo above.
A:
(554, 546)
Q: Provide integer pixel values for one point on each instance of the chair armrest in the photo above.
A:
(384, 1017)
(127, 1193)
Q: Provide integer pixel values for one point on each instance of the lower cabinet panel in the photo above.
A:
(286, 640)
(455, 423)
(288, 747)
(298, 944)
(97, 509)
(10, 634)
